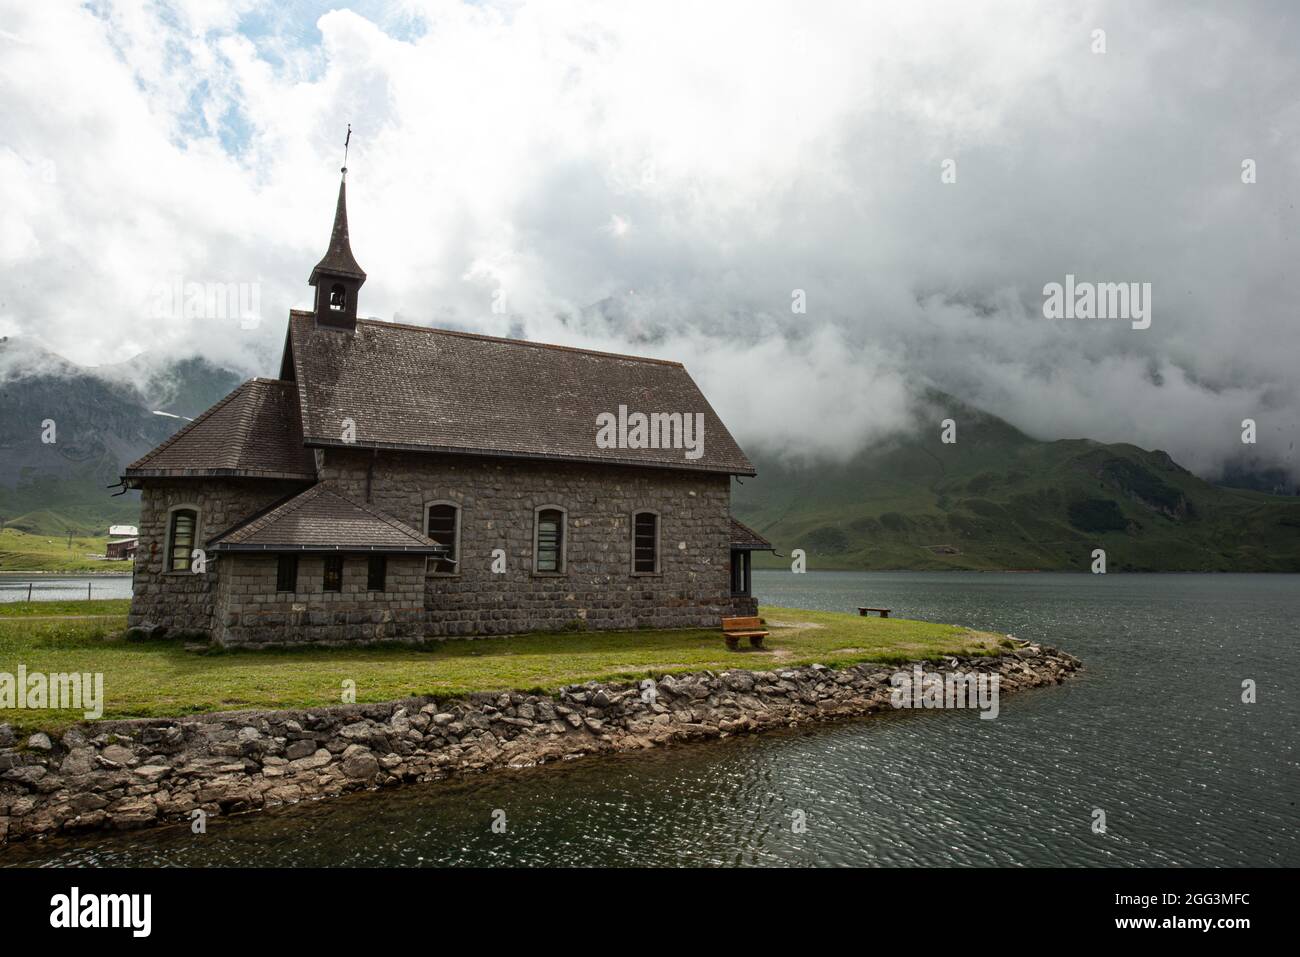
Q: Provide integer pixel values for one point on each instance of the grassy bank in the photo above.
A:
(25, 552)
(161, 678)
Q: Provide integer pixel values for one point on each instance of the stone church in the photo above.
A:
(398, 482)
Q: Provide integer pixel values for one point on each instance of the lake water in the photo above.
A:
(1153, 733)
(14, 586)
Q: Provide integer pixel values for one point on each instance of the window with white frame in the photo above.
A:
(549, 541)
(182, 534)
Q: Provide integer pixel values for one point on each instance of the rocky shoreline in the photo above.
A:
(140, 773)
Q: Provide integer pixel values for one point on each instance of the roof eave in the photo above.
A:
(217, 473)
(323, 268)
(330, 549)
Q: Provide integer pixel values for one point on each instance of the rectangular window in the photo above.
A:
(376, 573)
(740, 572)
(443, 520)
(333, 573)
(549, 556)
(184, 524)
(286, 573)
(645, 543)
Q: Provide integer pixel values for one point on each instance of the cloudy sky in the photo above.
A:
(665, 178)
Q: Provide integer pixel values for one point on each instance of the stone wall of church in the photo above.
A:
(184, 601)
(495, 590)
(250, 611)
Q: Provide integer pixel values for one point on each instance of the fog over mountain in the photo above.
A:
(677, 185)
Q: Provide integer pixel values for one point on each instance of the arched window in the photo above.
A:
(442, 524)
(338, 297)
(549, 544)
(182, 533)
(645, 543)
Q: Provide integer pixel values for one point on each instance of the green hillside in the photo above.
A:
(997, 499)
(27, 551)
(82, 507)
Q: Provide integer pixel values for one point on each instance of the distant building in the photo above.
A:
(122, 547)
(123, 531)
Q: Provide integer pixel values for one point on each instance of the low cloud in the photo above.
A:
(666, 179)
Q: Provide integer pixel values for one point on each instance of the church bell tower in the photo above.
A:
(337, 277)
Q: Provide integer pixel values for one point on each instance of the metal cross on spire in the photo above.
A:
(346, 141)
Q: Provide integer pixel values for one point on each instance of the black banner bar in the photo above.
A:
(304, 906)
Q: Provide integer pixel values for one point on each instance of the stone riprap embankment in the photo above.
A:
(127, 774)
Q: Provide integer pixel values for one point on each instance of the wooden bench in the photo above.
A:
(733, 629)
(884, 612)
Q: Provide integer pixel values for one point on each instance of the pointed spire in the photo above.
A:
(338, 259)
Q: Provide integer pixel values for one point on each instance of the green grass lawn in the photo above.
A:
(115, 608)
(161, 678)
(23, 552)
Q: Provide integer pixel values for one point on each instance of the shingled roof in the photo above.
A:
(322, 520)
(746, 539)
(256, 432)
(411, 387)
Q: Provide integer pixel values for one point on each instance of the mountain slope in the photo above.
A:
(103, 419)
(997, 499)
